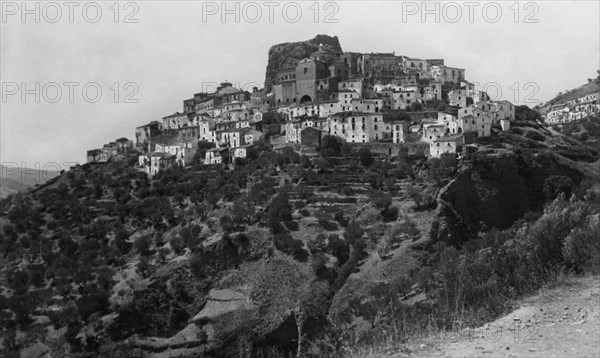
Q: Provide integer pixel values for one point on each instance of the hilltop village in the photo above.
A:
(382, 101)
(573, 107)
(355, 200)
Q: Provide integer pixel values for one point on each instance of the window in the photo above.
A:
(305, 70)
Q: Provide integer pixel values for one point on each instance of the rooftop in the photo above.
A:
(450, 138)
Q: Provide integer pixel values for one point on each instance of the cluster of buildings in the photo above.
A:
(230, 118)
(574, 109)
(352, 96)
(108, 151)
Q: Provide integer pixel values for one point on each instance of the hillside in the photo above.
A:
(16, 180)
(283, 254)
(561, 320)
(585, 89)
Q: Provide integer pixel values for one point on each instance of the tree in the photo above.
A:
(243, 211)
(177, 245)
(202, 209)
(365, 156)
(285, 243)
(338, 248)
(354, 232)
(381, 200)
(121, 243)
(416, 107)
(227, 223)
(279, 210)
(330, 146)
(142, 245)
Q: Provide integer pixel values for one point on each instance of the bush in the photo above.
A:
(330, 146)
(142, 245)
(389, 214)
(424, 201)
(198, 264)
(305, 213)
(581, 247)
(365, 156)
(191, 235)
(327, 225)
(403, 230)
(319, 266)
(347, 191)
(287, 244)
(94, 301)
(354, 232)
(555, 185)
(340, 218)
(121, 243)
(279, 210)
(177, 245)
(381, 200)
(318, 244)
(227, 223)
(535, 136)
(338, 248)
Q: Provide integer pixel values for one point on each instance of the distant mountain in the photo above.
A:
(14, 180)
(288, 54)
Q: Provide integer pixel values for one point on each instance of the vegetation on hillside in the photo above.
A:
(108, 256)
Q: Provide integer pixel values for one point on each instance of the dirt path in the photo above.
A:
(563, 321)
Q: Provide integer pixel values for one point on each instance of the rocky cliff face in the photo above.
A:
(494, 192)
(289, 53)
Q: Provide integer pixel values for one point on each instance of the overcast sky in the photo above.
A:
(161, 52)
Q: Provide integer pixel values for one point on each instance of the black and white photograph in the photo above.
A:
(299, 179)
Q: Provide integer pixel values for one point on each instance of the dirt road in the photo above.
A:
(563, 321)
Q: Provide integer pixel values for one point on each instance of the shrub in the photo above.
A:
(354, 232)
(535, 136)
(555, 185)
(121, 243)
(20, 282)
(405, 229)
(177, 245)
(198, 264)
(330, 146)
(327, 225)
(243, 211)
(285, 243)
(347, 191)
(279, 210)
(142, 245)
(365, 156)
(319, 266)
(94, 301)
(227, 223)
(424, 201)
(305, 212)
(581, 247)
(338, 248)
(389, 214)
(318, 244)
(191, 235)
(381, 200)
(340, 218)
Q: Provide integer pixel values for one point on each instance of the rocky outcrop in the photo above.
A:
(494, 192)
(220, 302)
(289, 53)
